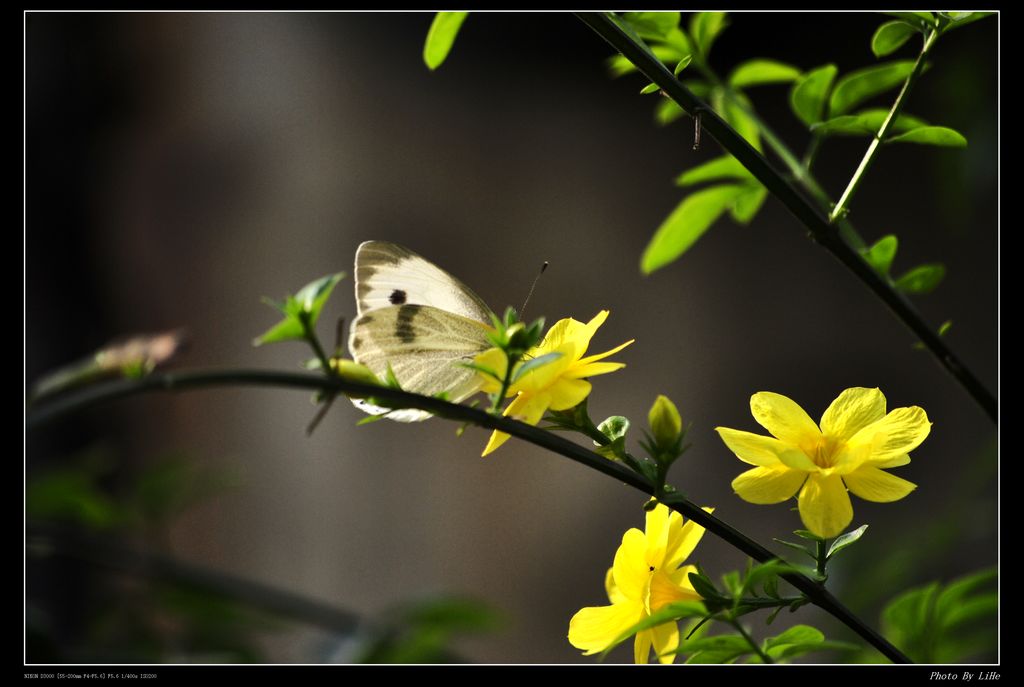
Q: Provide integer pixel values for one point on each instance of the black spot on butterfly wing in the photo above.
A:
(397, 297)
(403, 324)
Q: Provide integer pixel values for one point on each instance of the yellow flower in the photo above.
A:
(856, 439)
(557, 385)
(646, 576)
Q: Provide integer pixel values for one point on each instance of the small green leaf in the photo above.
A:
(726, 642)
(881, 254)
(725, 167)
(844, 540)
(687, 223)
(921, 279)
(795, 546)
(810, 93)
(704, 28)
(288, 329)
(534, 363)
(441, 37)
(866, 123)
(748, 203)
(312, 297)
(614, 427)
(759, 71)
(807, 534)
(683, 64)
(650, 88)
(798, 634)
(933, 136)
(890, 36)
(656, 25)
(945, 327)
(858, 86)
(703, 586)
(619, 65)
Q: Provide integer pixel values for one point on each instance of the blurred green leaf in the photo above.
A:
(882, 253)
(312, 296)
(945, 327)
(866, 123)
(921, 279)
(656, 25)
(716, 649)
(619, 65)
(734, 110)
(890, 36)
(704, 29)
(441, 37)
(844, 540)
(923, 19)
(858, 86)
(666, 111)
(810, 93)
(687, 223)
(71, 494)
(953, 595)
(683, 64)
(799, 640)
(650, 88)
(725, 167)
(746, 205)
(932, 135)
(760, 71)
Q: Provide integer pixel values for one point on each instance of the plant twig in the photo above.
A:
(790, 196)
(841, 207)
(39, 416)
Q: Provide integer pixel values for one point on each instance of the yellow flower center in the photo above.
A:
(824, 451)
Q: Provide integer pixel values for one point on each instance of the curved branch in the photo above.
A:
(805, 211)
(182, 381)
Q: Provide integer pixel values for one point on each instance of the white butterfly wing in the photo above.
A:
(388, 274)
(424, 346)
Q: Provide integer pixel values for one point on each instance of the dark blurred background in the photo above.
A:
(181, 166)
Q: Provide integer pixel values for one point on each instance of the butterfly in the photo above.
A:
(419, 320)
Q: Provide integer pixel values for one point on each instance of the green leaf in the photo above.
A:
(656, 25)
(735, 113)
(810, 93)
(614, 427)
(759, 71)
(890, 36)
(925, 20)
(881, 254)
(534, 363)
(866, 123)
(908, 614)
(844, 540)
(703, 586)
(650, 88)
(288, 329)
(667, 111)
(945, 327)
(921, 279)
(807, 534)
(798, 634)
(725, 167)
(704, 28)
(441, 37)
(619, 65)
(687, 223)
(955, 592)
(933, 136)
(858, 86)
(683, 64)
(962, 19)
(748, 203)
(795, 546)
(312, 297)
(716, 649)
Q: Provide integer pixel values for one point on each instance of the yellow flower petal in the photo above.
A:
(681, 578)
(768, 485)
(682, 542)
(538, 379)
(890, 462)
(567, 393)
(753, 448)
(642, 647)
(601, 356)
(525, 408)
(664, 591)
(594, 628)
(657, 524)
(495, 359)
(592, 370)
(495, 442)
(612, 589)
(665, 638)
(783, 418)
(825, 506)
(854, 410)
(630, 566)
(872, 484)
(899, 432)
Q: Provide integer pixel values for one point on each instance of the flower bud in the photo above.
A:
(666, 425)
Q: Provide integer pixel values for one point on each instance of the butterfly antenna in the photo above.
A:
(536, 279)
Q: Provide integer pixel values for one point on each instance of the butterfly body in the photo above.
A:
(419, 320)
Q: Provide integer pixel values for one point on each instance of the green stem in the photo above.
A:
(821, 557)
(505, 383)
(43, 413)
(872, 152)
(807, 214)
(765, 658)
(314, 342)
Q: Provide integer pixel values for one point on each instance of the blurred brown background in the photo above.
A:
(181, 166)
